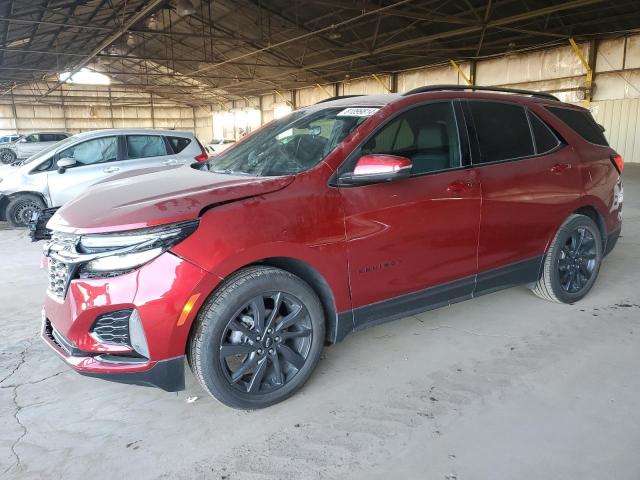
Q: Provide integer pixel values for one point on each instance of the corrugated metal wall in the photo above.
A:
(621, 119)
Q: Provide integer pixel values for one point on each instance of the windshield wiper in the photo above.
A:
(228, 171)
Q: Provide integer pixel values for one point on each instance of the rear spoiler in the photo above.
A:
(38, 225)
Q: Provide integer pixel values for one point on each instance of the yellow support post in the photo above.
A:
(461, 72)
(589, 80)
(377, 78)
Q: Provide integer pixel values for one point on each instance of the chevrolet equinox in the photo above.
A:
(344, 214)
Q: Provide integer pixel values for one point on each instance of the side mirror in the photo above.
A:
(377, 168)
(22, 140)
(65, 163)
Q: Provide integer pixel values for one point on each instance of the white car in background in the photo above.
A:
(30, 144)
(64, 170)
(215, 146)
(9, 138)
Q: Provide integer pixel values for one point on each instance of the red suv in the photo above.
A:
(345, 214)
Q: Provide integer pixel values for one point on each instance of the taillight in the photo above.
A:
(203, 157)
(618, 162)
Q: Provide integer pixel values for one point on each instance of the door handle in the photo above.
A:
(459, 186)
(171, 161)
(110, 169)
(560, 167)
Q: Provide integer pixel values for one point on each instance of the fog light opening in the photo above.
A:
(136, 335)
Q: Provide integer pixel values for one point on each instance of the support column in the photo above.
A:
(153, 113)
(14, 111)
(588, 83)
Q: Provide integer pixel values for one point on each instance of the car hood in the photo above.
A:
(146, 198)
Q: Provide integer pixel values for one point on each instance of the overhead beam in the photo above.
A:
(115, 35)
(437, 36)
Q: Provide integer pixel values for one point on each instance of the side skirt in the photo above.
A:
(519, 273)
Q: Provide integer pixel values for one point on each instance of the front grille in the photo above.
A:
(59, 273)
(112, 328)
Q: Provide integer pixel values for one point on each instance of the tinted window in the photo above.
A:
(50, 137)
(178, 143)
(141, 146)
(98, 150)
(60, 136)
(582, 123)
(428, 135)
(544, 138)
(32, 138)
(503, 131)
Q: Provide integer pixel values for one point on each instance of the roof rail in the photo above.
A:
(438, 88)
(338, 97)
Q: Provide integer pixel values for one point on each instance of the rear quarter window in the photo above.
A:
(545, 139)
(582, 123)
(178, 144)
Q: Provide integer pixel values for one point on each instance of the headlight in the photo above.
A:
(116, 253)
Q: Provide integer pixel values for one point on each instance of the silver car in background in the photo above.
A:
(64, 170)
(27, 145)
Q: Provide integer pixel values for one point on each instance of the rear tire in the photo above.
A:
(21, 208)
(258, 338)
(7, 156)
(573, 261)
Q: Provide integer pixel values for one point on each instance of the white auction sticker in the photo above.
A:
(358, 112)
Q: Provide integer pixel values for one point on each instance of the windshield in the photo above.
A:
(43, 153)
(292, 144)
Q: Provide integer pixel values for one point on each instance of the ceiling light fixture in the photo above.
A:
(184, 8)
(85, 77)
(131, 40)
(152, 23)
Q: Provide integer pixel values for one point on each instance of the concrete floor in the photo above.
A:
(506, 386)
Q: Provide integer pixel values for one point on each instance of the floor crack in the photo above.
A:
(18, 461)
(23, 356)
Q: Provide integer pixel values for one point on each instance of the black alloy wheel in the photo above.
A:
(572, 262)
(258, 337)
(577, 260)
(266, 343)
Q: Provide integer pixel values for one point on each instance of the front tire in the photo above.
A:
(573, 261)
(258, 338)
(21, 208)
(7, 156)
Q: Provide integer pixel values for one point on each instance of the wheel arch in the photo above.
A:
(593, 213)
(319, 285)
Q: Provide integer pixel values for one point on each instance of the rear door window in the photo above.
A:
(142, 146)
(582, 123)
(545, 139)
(178, 144)
(502, 130)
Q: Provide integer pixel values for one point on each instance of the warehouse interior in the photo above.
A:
(203, 72)
(501, 387)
